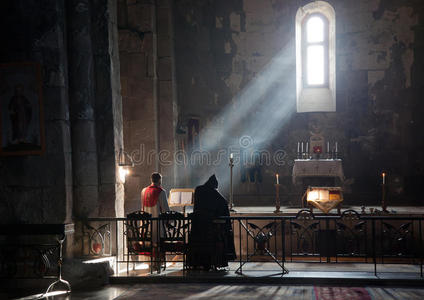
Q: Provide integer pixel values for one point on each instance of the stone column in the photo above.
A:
(108, 106)
(82, 110)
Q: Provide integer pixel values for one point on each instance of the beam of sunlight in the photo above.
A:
(259, 111)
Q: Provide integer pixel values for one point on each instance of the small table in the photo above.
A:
(317, 168)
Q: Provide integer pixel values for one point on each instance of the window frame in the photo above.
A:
(305, 44)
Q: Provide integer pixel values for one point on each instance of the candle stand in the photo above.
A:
(231, 164)
(277, 199)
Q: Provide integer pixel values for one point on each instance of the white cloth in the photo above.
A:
(317, 168)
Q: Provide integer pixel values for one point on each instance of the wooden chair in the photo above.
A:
(173, 234)
(139, 236)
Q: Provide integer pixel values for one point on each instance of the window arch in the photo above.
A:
(315, 57)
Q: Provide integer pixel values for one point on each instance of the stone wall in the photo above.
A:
(75, 42)
(146, 57)
(226, 53)
(38, 188)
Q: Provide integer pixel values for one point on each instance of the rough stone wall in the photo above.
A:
(82, 112)
(146, 77)
(223, 48)
(35, 188)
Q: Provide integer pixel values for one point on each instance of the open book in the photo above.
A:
(181, 197)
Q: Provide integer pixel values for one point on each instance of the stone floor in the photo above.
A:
(258, 281)
(242, 292)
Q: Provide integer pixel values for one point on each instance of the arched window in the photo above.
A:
(315, 57)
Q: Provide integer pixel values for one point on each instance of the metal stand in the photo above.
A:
(277, 199)
(231, 164)
(59, 280)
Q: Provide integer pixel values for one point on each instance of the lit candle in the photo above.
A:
(278, 181)
(231, 155)
(384, 177)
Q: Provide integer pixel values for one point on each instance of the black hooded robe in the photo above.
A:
(211, 241)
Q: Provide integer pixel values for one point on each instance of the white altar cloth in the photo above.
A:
(317, 168)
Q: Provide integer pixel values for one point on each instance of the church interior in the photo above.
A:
(307, 112)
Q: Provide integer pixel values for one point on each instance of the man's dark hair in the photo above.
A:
(156, 177)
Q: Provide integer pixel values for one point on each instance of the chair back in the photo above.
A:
(174, 231)
(139, 233)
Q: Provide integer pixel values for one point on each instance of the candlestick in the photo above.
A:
(277, 198)
(383, 193)
(231, 164)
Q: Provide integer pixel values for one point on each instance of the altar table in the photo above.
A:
(317, 168)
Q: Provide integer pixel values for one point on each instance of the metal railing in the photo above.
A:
(346, 238)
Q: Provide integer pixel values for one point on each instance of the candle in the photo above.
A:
(298, 147)
(384, 177)
(278, 181)
(307, 147)
(231, 155)
(336, 146)
(302, 147)
(328, 147)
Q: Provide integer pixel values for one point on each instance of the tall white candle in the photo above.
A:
(278, 181)
(298, 147)
(336, 147)
(307, 147)
(384, 178)
(231, 155)
(302, 147)
(328, 147)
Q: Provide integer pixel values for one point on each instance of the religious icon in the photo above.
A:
(21, 130)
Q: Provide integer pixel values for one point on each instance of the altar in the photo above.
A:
(317, 168)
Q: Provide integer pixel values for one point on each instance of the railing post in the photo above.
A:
(421, 248)
(373, 247)
(240, 254)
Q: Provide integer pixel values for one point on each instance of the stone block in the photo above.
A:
(235, 22)
(163, 19)
(165, 88)
(85, 168)
(139, 17)
(129, 41)
(55, 103)
(83, 136)
(147, 43)
(165, 68)
(86, 203)
(258, 6)
(164, 46)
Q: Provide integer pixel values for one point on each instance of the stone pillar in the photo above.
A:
(108, 106)
(166, 91)
(82, 110)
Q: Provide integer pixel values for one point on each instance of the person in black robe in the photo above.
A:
(211, 240)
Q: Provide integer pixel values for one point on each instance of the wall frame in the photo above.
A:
(21, 113)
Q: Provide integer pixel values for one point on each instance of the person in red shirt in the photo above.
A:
(154, 202)
(153, 197)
